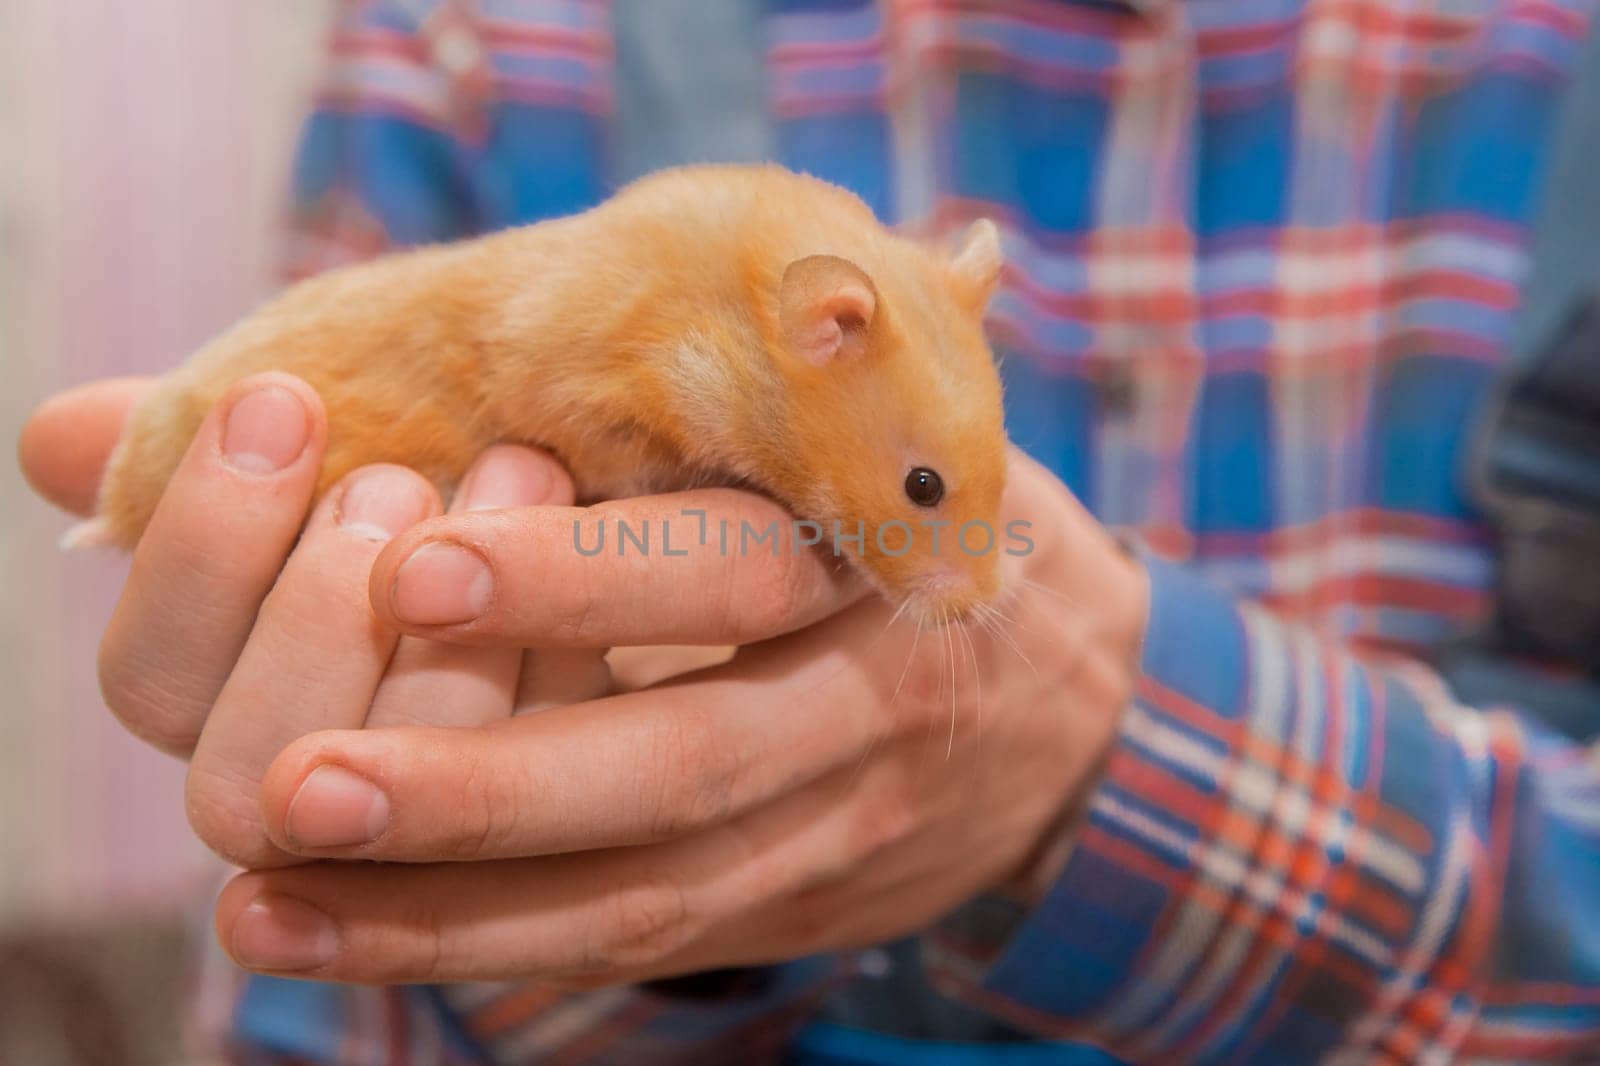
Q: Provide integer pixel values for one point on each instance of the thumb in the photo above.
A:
(66, 441)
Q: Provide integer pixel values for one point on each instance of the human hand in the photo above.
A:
(675, 775)
(840, 785)
(236, 633)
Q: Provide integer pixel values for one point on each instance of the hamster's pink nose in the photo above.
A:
(947, 592)
(945, 580)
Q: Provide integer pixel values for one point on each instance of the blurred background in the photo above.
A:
(144, 155)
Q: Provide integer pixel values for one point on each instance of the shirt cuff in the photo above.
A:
(1081, 944)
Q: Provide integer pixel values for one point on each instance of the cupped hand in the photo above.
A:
(244, 624)
(842, 784)
(845, 779)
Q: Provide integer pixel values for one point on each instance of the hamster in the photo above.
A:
(706, 325)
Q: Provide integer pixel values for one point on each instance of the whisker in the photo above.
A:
(927, 738)
(972, 649)
(998, 612)
(977, 676)
(898, 612)
(1048, 591)
(916, 638)
(994, 620)
(997, 630)
(893, 618)
(877, 739)
(951, 640)
(872, 746)
(978, 761)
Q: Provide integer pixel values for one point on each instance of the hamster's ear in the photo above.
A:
(975, 267)
(825, 307)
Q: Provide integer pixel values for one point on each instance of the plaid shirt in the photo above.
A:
(1263, 259)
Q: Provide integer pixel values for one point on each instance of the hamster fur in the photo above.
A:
(707, 325)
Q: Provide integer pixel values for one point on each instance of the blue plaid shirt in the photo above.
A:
(1263, 261)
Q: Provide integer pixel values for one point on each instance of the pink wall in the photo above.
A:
(143, 152)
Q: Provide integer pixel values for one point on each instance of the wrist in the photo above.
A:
(1101, 597)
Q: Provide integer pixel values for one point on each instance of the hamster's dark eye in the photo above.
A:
(924, 487)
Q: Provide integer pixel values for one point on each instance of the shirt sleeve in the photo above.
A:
(1296, 854)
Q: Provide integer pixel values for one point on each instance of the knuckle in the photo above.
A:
(810, 922)
(771, 592)
(143, 701)
(924, 689)
(575, 611)
(409, 944)
(883, 820)
(639, 926)
(205, 563)
(489, 820)
(425, 948)
(695, 789)
(221, 811)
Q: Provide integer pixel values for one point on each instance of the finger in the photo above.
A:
(65, 442)
(640, 667)
(630, 769)
(564, 676)
(429, 683)
(566, 577)
(605, 914)
(313, 660)
(215, 544)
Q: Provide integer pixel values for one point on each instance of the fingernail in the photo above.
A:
(265, 431)
(381, 503)
(335, 808)
(441, 584)
(506, 477)
(280, 933)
